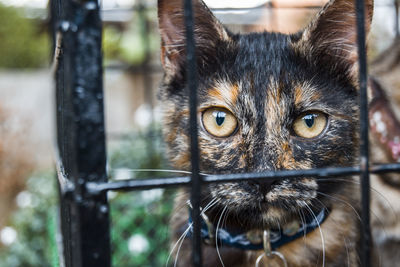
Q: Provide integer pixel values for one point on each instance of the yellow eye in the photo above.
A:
(310, 124)
(219, 122)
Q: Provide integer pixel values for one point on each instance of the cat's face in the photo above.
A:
(267, 101)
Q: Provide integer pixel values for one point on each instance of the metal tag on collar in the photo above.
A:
(269, 254)
(210, 226)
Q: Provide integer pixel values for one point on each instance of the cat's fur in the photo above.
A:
(267, 80)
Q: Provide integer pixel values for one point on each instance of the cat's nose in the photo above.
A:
(265, 185)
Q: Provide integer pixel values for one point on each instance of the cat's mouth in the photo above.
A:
(254, 205)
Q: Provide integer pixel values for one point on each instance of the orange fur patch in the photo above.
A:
(226, 93)
(298, 95)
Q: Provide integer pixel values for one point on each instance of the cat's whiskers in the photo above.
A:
(210, 204)
(343, 201)
(358, 183)
(321, 203)
(302, 220)
(180, 242)
(224, 220)
(181, 239)
(320, 231)
(182, 205)
(358, 216)
(216, 235)
(347, 251)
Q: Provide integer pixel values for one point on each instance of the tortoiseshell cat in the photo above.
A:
(268, 101)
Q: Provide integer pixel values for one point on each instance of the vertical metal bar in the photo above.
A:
(80, 132)
(365, 179)
(192, 83)
(396, 23)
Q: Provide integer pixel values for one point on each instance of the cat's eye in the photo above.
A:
(310, 124)
(219, 122)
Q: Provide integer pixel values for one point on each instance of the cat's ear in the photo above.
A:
(333, 34)
(207, 29)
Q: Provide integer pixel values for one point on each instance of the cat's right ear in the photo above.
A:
(208, 33)
(331, 38)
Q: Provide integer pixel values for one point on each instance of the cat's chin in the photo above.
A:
(263, 216)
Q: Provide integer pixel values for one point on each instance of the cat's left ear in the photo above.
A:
(208, 33)
(331, 38)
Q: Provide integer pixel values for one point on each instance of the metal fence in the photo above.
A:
(81, 162)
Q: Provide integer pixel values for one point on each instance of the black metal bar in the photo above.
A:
(385, 168)
(192, 84)
(135, 184)
(143, 184)
(364, 146)
(138, 184)
(80, 133)
(396, 22)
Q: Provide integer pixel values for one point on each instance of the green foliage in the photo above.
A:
(140, 218)
(136, 42)
(21, 45)
(24, 45)
(143, 151)
(34, 223)
(135, 216)
(111, 43)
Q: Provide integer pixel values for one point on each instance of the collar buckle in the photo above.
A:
(210, 227)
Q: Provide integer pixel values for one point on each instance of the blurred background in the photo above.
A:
(132, 72)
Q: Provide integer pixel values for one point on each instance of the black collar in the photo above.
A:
(253, 240)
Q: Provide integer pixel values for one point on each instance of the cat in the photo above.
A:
(267, 101)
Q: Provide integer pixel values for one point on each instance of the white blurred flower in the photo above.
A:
(111, 195)
(138, 244)
(8, 235)
(151, 195)
(24, 199)
(143, 115)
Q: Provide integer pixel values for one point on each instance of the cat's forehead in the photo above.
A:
(230, 94)
(265, 43)
(268, 70)
(266, 54)
(262, 62)
(264, 70)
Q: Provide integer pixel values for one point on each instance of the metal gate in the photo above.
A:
(81, 162)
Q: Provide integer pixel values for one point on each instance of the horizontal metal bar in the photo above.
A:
(142, 184)
(385, 168)
(137, 184)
